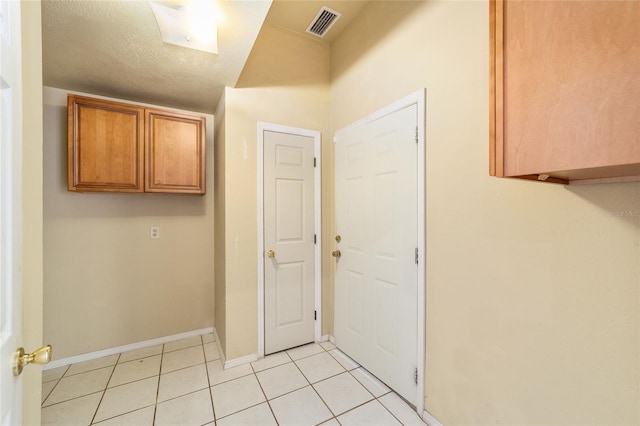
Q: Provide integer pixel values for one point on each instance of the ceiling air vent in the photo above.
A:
(323, 21)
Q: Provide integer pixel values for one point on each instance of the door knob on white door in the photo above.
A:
(21, 359)
(336, 253)
(271, 254)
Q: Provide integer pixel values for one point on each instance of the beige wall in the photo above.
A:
(106, 283)
(219, 193)
(533, 301)
(533, 296)
(31, 206)
(285, 82)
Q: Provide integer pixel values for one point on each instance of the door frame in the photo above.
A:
(417, 98)
(270, 127)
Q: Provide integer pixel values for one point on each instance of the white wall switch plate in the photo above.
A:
(155, 232)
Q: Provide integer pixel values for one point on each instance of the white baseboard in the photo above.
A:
(324, 338)
(232, 362)
(429, 419)
(239, 361)
(332, 339)
(125, 348)
(219, 345)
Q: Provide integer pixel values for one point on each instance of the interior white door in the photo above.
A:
(377, 275)
(10, 209)
(289, 218)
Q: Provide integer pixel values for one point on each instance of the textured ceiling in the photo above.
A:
(113, 48)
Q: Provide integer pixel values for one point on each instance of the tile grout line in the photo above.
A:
(206, 369)
(375, 398)
(54, 387)
(72, 399)
(155, 407)
(389, 411)
(76, 397)
(314, 389)
(254, 405)
(104, 392)
(264, 393)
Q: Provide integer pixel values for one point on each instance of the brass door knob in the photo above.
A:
(336, 253)
(20, 358)
(271, 254)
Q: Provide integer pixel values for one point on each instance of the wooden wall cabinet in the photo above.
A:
(565, 90)
(118, 147)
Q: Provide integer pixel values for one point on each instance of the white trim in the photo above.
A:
(417, 98)
(429, 419)
(413, 99)
(125, 348)
(260, 193)
(262, 127)
(332, 339)
(219, 346)
(232, 362)
(420, 97)
(324, 338)
(240, 361)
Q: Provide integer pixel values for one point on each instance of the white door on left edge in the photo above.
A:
(289, 217)
(10, 210)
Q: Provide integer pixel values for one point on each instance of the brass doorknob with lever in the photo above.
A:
(271, 254)
(336, 253)
(21, 359)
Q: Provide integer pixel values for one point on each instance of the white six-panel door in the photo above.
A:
(289, 250)
(376, 293)
(10, 209)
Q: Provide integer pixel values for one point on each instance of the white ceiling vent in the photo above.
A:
(323, 21)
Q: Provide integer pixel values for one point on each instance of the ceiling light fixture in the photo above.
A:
(190, 24)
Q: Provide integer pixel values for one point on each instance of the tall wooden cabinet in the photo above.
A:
(565, 85)
(118, 147)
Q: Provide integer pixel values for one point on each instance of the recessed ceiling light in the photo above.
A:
(190, 24)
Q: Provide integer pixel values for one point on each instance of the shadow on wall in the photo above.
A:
(59, 202)
(620, 201)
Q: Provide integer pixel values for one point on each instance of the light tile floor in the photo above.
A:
(183, 383)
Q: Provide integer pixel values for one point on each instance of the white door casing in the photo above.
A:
(379, 295)
(290, 233)
(10, 210)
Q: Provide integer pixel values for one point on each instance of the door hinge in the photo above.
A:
(415, 375)
(416, 255)
(416, 134)
(315, 315)
(314, 239)
(314, 161)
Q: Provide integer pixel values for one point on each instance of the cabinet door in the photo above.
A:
(175, 153)
(565, 89)
(105, 146)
